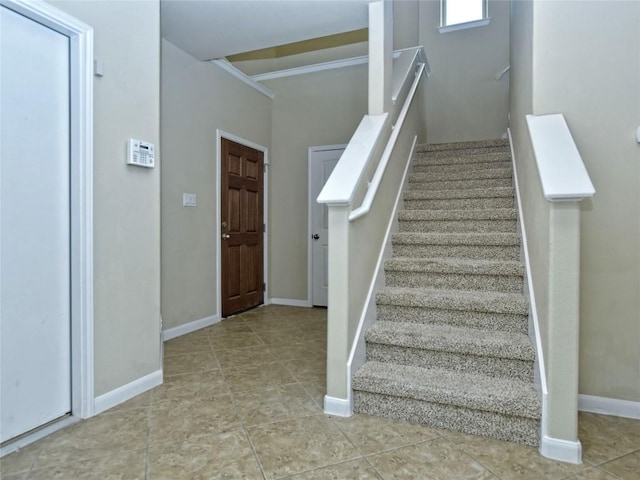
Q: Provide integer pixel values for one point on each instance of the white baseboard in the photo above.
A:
(128, 391)
(189, 327)
(561, 450)
(338, 407)
(609, 406)
(290, 302)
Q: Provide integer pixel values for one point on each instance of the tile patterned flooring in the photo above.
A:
(243, 400)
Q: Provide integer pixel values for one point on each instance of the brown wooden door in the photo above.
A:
(242, 228)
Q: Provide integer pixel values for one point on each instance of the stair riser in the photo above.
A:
(417, 357)
(478, 252)
(459, 204)
(449, 417)
(458, 318)
(465, 167)
(454, 281)
(461, 184)
(459, 226)
(428, 159)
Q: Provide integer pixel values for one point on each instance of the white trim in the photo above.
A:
(561, 450)
(128, 391)
(38, 434)
(338, 407)
(609, 406)
(243, 77)
(311, 151)
(541, 376)
(464, 26)
(290, 302)
(189, 327)
(317, 67)
(81, 113)
(220, 134)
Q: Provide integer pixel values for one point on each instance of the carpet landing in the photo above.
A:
(450, 347)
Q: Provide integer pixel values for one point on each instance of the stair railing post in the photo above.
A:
(564, 322)
(565, 183)
(337, 400)
(380, 56)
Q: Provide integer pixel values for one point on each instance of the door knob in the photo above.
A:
(226, 236)
(315, 236)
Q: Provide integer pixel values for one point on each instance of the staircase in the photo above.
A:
(450, 347)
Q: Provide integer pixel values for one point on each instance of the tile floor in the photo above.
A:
(243, 399)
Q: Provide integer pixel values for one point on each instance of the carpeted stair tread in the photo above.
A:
(464, 175)
(494, 192)
(455, 265)
(463, 184)
(479, 220)
(429, 159)
(451, 339)
(467, 214)
(455, 146)
(436, 385)
(460, 167)
(450, 347)
(464, 300)
(469, 239)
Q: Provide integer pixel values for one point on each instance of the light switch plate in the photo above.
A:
(188, 199)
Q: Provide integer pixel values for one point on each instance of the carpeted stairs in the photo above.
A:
(450, 347)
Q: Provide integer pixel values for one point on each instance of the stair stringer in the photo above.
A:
(552, 448)
(358, 355)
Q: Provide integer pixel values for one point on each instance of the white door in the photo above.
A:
(321, 164)
(35, 319)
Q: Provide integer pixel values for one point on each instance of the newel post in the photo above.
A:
(337, 401)
(562, 362)
(565, 183)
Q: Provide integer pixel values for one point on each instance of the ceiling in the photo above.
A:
(209, 29)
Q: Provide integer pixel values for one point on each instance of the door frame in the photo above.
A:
(311, 154)
(221, 134)
(81, 200)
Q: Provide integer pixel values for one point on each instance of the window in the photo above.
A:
(461, 14)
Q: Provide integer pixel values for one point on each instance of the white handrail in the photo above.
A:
(562, 172)
(343, 182)
(372, 190)
(347, 177)
(503, 72)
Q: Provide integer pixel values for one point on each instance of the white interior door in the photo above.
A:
(35, 319)
(321, 164)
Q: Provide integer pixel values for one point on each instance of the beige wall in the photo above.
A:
(197, 98)
(462, 99)
(590, 73)
(126, 199)
(308, 110)
(406, 25)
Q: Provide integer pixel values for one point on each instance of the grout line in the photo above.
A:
(469, 455)
(149, 425)
(239, 417)
(366, 459)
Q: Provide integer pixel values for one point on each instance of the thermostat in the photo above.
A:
(141, 154)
